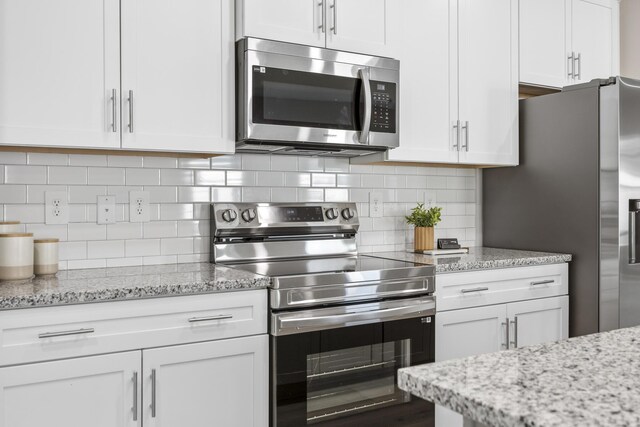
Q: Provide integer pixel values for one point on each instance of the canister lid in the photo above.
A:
(9, 222)
(16, 235)
(46, 240)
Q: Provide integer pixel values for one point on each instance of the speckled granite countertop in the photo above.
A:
(479, 258)
(123, 283)
(586, 381)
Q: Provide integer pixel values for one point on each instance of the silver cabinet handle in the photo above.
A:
(570, 66)
(135, 396)
(578, 59)
(514, 322)
(334, 6)
(632, 237)
(456, 127)
(114, 110)
(543, 282)
(322, 12)
(364, 75)
(66, 333)
(209, 318)
(506, 324)
(468, 291)
(465, 127)
(153, 393)
(130, 99)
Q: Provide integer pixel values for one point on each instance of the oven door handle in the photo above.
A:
(363, 73)
(307, 321)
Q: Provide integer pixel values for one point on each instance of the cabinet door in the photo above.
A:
(488, 82)
(592, 39)
(216, 383)
(59, 65)
(538, 321)
(97, 391)
(359, 26)
(428, 80)
(178, 63)
(463, 333)
(543, 49)
(293, 21)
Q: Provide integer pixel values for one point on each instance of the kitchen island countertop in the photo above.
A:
(479, 258)
(586, 381)
(125, 283)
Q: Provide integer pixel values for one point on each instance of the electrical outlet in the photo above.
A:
(106, 209)
(139, 206)
(375, 204)
(429, 198)
(56, 207)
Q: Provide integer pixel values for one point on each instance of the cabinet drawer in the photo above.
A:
(47, 333)
(478, 288)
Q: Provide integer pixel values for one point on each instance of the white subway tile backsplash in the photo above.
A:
(256, 162)
(226, 194)
(348, 181)
(142, 247)
(87, 231)
(269, 179)
(310, 164)
(13, 193)
(193, 228)
(47, 231)
(18, 174)
(241, 178)
(9, 158)
(210, 177)
(294, 179)
(373, 181)
(160, 229)
(188, 258)
(163, 194)
(170, 212)
(159, 162)
(284, 195)
(336, 165)
(86, 263)
(47, 159)
(455, 183)
(35, 193)
(106, 249)
(336, 195)
(310, 195)
(177, 176)
(124, 262)
(124, 161)
(143, 176)
(194, 163)
(124, 230)
(122, 192)
(158, 260)
(67, 175)
(87, 160)
(406, 195)
(417, 181)
(323, 180)
(227, 162)
(77, 213)
(24, 213)
(202, 210)
(86, 193)
(194, 194)
(72, 250)
(255, 195)
(176, 246)
(284, 163)
(106, 176)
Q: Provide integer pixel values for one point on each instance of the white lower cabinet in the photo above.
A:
(219, 383)
(499, 326)
(97, 391)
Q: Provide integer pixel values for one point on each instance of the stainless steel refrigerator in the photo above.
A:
(577, 190)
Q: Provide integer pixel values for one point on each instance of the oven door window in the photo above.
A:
(303, 99)
(348, 376)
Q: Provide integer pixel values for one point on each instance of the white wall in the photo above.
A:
(181, 190)
(630, 38)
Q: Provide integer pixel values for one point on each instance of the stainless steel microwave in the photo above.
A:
(295, 99)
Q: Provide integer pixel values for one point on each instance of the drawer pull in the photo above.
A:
(209, 318)
(66, 333)
(543, 282)
(468, 291)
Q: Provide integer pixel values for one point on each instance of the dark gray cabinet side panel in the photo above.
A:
(550, 202)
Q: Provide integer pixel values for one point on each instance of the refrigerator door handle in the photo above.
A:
(634, 210)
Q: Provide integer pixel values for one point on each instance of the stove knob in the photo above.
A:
(229, 215)
(249, 215)
(332, 213)
(348, 213)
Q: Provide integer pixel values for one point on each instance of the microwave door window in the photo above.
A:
(301, 99)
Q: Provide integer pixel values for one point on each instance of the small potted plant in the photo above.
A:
(424, 220)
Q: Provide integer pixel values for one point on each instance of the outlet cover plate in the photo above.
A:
(375, 204)
(106, 209)
(56, 207)
(139, 210)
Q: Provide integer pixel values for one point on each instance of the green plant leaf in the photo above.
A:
(422, 217)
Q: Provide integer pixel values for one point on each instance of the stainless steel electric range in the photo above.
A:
(341, 324)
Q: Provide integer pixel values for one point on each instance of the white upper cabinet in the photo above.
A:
(488, 82)
(428, 89)
(177, 75)
(543, 56)
(98, 391)
(564, 42)
(359, 26)
(295, 21)
(59, 68)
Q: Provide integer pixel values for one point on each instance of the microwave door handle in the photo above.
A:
(363, 73)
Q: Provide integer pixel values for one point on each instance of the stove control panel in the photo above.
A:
(230, 216)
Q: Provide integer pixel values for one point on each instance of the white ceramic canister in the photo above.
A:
(10, 227)
(16, 256)
(45, 257)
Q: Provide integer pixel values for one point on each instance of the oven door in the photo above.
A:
(296, 99)
(341, 369)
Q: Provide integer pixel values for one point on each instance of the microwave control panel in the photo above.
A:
(383, 116)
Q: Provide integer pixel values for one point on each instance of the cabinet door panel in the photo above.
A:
(216, 383)
(539, 321)
(293, 21)
(543, 51)
(91, 391)
(428, 80)
(591, 36)
(178, 59)
(489, 81)
(59, 62)
(358, 26)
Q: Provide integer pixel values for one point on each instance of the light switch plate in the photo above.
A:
(375, 204)
(56, 207)
(139, 206)
(106, 209)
